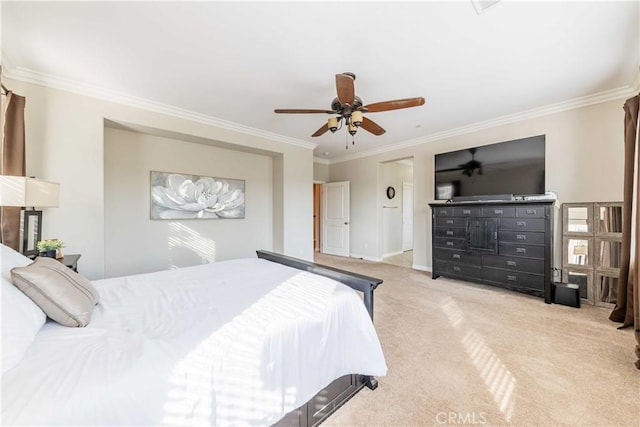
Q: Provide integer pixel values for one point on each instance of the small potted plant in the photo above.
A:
(49, 248)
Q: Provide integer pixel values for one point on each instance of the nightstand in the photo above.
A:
(71, 261)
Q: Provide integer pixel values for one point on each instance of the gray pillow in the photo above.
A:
(64, 295)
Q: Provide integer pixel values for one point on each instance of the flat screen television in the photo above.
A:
(506, 168)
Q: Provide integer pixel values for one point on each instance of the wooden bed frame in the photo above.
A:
(328, 400)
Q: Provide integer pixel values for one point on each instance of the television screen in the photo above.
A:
(512, 167)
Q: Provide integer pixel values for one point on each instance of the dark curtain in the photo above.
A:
(13, 163)
(627, 308)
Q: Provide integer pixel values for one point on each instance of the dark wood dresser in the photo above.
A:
(506, 243)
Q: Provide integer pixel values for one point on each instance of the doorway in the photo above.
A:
(317, 217)
(397, 212)
(336, 218)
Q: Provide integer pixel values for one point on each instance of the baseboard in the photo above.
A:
(366, 257)
(391, 254)
(421, 268)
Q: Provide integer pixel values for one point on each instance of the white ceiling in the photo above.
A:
(237, 61)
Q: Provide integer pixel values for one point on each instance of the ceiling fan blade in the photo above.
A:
(302, 111)
(450, 170)
(345, 89)
(322, 130)
(394, 105)
(371, 126)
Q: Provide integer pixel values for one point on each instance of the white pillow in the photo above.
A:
(21, 317)
(9, 259)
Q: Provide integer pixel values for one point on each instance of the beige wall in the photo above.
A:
(65, 143)
(584, 161)
(320, 172)
(129, 158)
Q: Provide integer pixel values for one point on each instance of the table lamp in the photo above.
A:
(29, 192)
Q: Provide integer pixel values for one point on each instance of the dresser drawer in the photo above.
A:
(514, 278)
(455, 269)
(458, 233)
(527, 224)
(499, 211)
(527, 237)
(474, 271)
(514, 263)
(443, 211)
(451, 222)
(521, 250)
(447, 243)
(460, 257)
(467, 211)
(530, 212)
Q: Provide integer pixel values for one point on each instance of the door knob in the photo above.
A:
(346, 223)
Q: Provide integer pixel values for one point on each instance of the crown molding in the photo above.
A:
(609, 95)
(68, 85)
(321, 160)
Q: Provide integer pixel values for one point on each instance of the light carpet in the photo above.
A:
(467, 354)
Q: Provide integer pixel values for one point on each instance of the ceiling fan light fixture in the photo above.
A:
(352, 129)
(356, 118)
(332, 124)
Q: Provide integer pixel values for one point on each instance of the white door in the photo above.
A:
(335, 218)
(407, 216)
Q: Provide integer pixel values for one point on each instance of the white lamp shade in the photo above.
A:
(28, 192)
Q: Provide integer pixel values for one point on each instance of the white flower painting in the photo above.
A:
(179, 196)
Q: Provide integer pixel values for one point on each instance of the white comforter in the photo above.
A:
(232, 343)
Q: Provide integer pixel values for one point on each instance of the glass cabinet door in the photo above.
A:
(577, 251)
(607, 254)
(608, 218)
(577, 218)
(606, 289)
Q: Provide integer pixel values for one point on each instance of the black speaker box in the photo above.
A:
(566, 294)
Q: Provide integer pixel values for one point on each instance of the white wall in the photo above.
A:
(129, 158)
(65, 144)
(584, 162)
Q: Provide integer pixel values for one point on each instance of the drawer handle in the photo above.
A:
(449, 233)
(498, 211)
(466, 212)
(531, 211)
(521, 250)
(512, 263)
(456, 256)
(449, 221)
(449, 243)
(521, 237)
(521, 223)
(456, 268)
(511, 278)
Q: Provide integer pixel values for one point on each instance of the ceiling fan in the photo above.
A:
(469, 167)
(348, 107)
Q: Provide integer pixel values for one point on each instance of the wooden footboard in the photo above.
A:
(359, 282)
(328, 400)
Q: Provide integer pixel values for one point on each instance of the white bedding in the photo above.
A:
(238, 342)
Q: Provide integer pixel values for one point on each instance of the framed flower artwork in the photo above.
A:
(180, 196)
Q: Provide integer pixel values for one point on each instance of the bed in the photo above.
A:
(259, 341)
